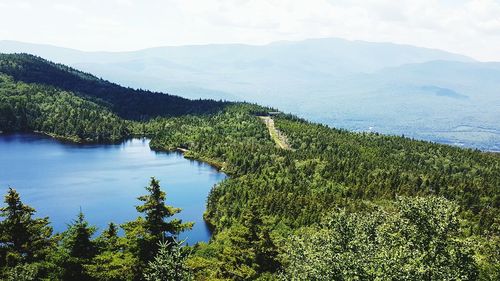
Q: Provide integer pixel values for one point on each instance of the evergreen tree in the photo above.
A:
(143, 234)
(114, 262)
(259, 237)
(168, 264)
(77, 249)
(81, 245)
(108, 240)
(237, 254)
(23, 239)
(23, 272)
(156, 211)
(266, 252)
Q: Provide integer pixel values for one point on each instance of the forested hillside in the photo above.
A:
(327, 172)
(426, 94)
(125, 102)
(337, 206)
(31, 107)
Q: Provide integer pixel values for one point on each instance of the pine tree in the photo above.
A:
(114, 262)
(156, 212)
(23, 272)
(266, 252)
(259, 237)
(23, 239)
(82, 245)
(168, 264)
(108, 240)
(78, 249)
(143, 234)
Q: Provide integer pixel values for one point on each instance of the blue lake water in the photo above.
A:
(58, 178)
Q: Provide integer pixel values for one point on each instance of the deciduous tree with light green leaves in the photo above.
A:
(418, 240)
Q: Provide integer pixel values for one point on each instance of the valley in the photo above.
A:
(425, 93)
(337, 202)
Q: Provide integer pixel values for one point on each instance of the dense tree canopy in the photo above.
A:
(23, 238)
(326, 169)
(29, 251)
(416, 241)
(125, 102)
(29, 107)
(395, 208)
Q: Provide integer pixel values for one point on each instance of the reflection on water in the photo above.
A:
(104, 180)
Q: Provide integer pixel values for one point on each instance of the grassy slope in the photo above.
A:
(275, 134)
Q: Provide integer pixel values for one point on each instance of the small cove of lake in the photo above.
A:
(104, 180)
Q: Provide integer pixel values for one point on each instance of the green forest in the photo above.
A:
(337, 205)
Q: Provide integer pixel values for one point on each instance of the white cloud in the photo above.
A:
(471, 27)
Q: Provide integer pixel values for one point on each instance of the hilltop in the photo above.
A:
(126, 102)
(38, 95)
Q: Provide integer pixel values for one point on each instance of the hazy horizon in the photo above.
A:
(242, 44)
(468, 27)
(426, 94)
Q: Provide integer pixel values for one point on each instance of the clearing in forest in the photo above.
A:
(278, 137)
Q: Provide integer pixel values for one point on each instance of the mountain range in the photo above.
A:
(362, 86)
(294, 188)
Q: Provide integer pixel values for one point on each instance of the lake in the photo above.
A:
(58, 178)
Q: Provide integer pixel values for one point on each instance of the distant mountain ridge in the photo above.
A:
(400, 53)
(362, 86)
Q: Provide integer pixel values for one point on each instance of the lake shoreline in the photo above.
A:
(26, 172)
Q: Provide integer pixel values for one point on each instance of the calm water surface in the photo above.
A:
(104, 180)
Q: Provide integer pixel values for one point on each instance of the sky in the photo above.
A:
(469, 27)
